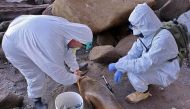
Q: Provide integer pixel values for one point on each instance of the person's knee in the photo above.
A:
(137, 83)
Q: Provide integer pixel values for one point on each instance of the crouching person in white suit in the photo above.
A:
(40, 45)
(152, 58)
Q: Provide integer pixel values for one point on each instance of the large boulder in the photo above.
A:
(172, 9)
(103, 54)
(125, 45)
(98, 14)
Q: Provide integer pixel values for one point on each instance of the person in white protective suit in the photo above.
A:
(40, 45)
(185, 20)
(152, 58)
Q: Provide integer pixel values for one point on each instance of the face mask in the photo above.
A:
(87, 46)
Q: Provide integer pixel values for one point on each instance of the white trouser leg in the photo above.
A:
(138, 84)
(34, 76)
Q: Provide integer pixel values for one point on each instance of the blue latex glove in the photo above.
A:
(112, 68)
(117, 76)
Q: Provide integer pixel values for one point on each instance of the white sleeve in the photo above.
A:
(163, 48)
(70, 60)
(134, 52)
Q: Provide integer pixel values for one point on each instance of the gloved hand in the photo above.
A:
(112, 68)
(117, 76)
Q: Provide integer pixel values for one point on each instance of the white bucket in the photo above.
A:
(69, 100)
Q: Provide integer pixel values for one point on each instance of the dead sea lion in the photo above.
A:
(96, 94)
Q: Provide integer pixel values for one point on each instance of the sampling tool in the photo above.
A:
(107, 84)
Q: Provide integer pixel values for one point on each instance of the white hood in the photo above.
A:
(79, 32)
(145, 20)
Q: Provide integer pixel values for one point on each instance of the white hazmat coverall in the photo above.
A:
(185, 20)
(152, 66)
(37, 46)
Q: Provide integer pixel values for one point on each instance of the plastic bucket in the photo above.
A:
(69, 100)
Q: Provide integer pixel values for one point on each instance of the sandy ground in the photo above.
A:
(176, 96)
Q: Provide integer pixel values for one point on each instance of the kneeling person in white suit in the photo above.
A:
(152, 58)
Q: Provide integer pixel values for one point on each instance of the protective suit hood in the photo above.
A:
(79, 32)
(145, 20)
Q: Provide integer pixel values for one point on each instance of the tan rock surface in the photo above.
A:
(125, 44)
(98, 14)
(103, 54)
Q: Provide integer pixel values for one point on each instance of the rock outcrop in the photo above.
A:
(98, 14)
(172, 9)
(125, 45)
(104, 54)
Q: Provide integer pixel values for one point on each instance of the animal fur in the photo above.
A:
(97, 94)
